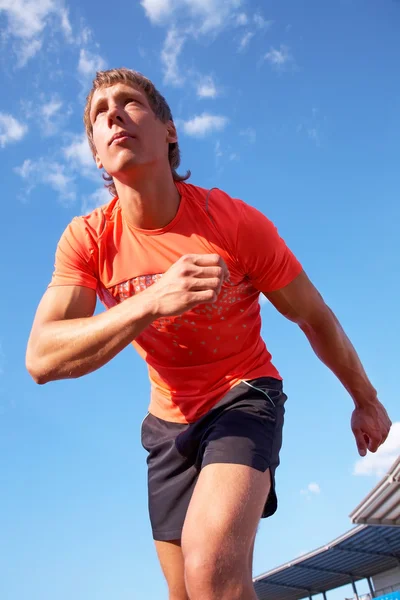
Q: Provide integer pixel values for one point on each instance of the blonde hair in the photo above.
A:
(157, 102)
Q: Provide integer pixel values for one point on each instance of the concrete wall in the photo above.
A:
(388, 579)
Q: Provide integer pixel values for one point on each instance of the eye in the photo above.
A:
(131, 101)
(99, 111)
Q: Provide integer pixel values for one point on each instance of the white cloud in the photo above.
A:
(213, 14)
(27, 20)
(80, 157)
(312, 488)
(199, 16)
(65, 24)
(48, 114)
(203, 125)
(51, 116)
(169, 57)
(245, 40)
(207, 88)
(278, 58)
(189, 19)
(89, 63)
(51, 108)
(260, 22)
(27, 50)
(378, 464)
(50, 173)
(250, 134)
(11, 130)
(157, 10)
(241, 19)
(58, 180)
(222, 155)
(25, 169)
(98, 198)
(84, 37)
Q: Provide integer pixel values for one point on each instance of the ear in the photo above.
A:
(99, 164)
(172, 136)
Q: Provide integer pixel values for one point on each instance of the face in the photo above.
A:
(126, 133)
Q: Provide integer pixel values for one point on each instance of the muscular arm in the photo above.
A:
(67, 341)
(301, 302)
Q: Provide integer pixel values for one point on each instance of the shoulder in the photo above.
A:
(90, 227)
(97, 219)
(216, 202)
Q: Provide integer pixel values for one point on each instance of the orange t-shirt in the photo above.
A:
(193, 359)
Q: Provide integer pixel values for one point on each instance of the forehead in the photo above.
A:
(115, 90)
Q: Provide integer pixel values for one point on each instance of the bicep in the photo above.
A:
(263, 254)
(62, 303)
(300, 302)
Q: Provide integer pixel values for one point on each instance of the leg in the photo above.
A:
(171, 560)
(219, 531)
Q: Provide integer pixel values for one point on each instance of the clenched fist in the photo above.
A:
(194, 279)
(371, 426)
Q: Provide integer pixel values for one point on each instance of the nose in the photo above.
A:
(115, 115)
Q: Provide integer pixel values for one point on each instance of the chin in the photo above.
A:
(123, 168)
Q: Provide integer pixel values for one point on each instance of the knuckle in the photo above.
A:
(186, 259)
(185, 270)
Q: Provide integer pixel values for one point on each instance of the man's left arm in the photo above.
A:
(300, 302)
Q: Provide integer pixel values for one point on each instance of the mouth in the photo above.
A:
(119, 137)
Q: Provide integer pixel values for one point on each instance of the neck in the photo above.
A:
(149, 202)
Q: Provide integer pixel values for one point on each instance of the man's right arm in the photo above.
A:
(68, 341)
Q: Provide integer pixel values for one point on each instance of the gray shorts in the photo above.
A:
(244, 428)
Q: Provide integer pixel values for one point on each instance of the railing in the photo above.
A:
(388, 590)
(392, 591)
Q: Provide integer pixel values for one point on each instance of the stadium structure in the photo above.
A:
(369, 551)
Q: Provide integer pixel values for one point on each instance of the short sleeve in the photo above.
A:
(262, 253)
(75, 260)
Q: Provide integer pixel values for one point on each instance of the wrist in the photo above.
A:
(150, 304)
(365, 398)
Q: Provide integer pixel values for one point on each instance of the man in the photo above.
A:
(180, 270)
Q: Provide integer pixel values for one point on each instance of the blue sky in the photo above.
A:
(293, 107)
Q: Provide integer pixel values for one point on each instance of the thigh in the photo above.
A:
(249, 433)
(171, 561)
(171, 477)
(224, 512)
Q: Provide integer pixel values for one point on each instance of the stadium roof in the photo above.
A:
(382, 505)
(363, 552)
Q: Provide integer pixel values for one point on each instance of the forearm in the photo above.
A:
(74, 347)
(334, 349)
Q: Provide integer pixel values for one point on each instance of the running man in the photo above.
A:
(180, 270)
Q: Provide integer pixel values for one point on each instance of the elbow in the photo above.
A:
(318, 322)
(35, 369)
